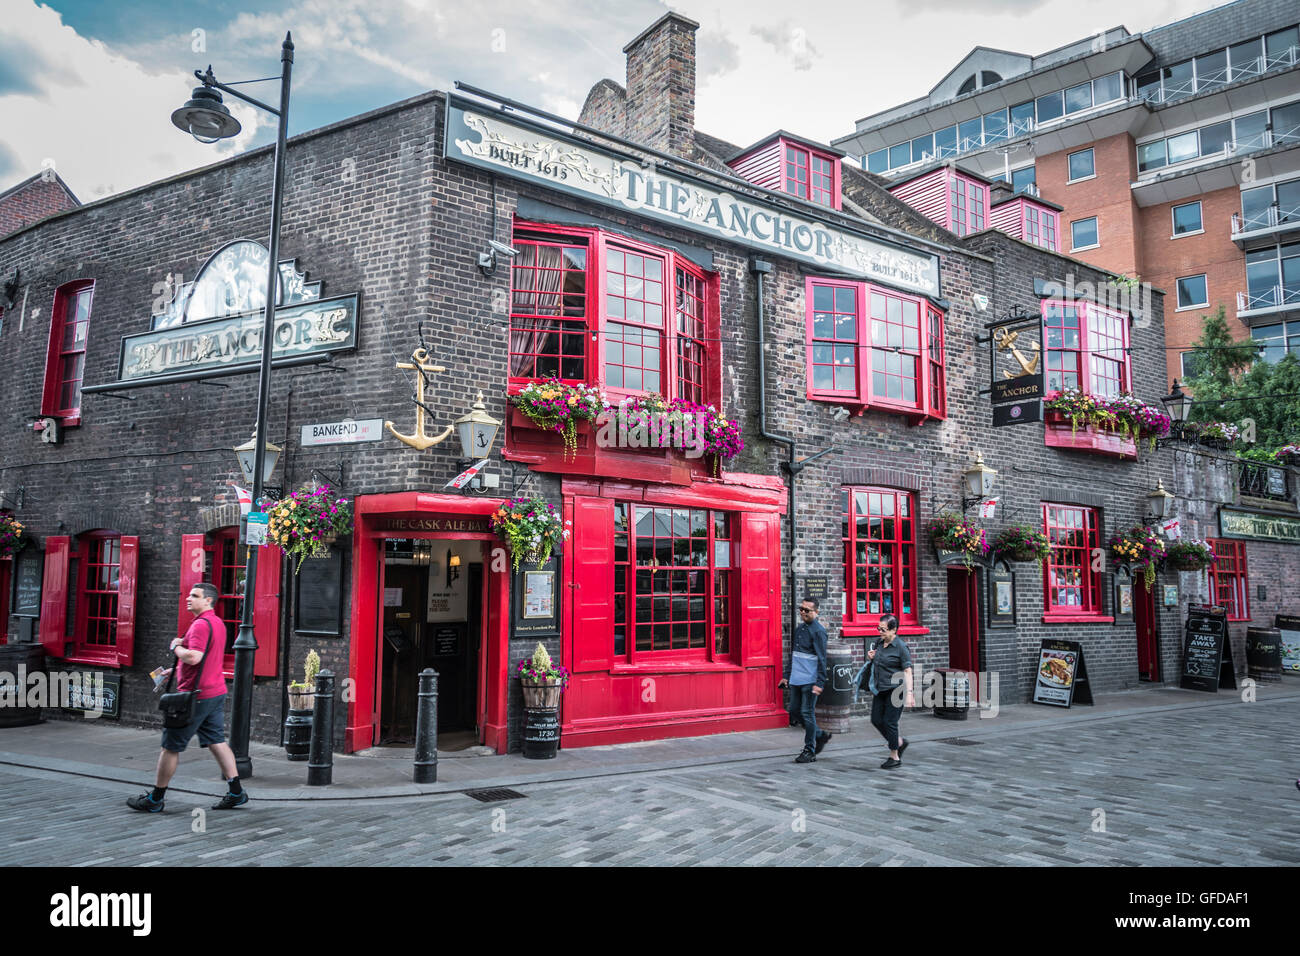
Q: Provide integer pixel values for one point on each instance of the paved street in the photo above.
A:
(1199, 786)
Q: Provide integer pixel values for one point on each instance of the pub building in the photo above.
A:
(849, 336)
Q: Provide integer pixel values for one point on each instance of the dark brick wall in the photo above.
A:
(661, 86)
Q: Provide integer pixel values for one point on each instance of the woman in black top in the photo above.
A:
(889, 658)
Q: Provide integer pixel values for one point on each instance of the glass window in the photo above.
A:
(1212, 70)
(1191, 292)
(823, 179)
(1050, 107)
(968, 86)
(548, 316)
(66, 358)
(945, 142)
(900, 155)
(1249, 131)
(988, 78)
(970, 134)
(923, 148)
(1086, 348)
(1070, 585)
(878, 162)
(1107, 88)
(1083, 233)
(1262, 278)
(1023, 178)
(796, 172)
(1078, 98)
(1187, 218)
(834, 338)
(1022, 118)
(1177, 80)
(1272, 339)
(1081, 165)
(995, 127)
(1286, 124)
(1288, 201)
(1244, 58)
(1227, 578)
(1255, 207)
(1215, 138)
(880, 556)
(1278, 45)
(1183, 147)
(1151, 156)
(1148, 85)
(1192, 363)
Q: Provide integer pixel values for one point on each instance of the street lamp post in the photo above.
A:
(208, 120)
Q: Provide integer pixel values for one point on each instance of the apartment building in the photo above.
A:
(1171, 155)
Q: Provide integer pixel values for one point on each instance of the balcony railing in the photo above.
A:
(1263, 481)
(1279, 297)
(1169, 92)
(1271, 218)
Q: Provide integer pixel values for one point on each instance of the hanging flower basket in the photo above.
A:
(1141, 549)
(1219, 435)
(307, 522)
(1022, 543)
(1191, 555)
(1289, 454)
(552, 405)
(530, 527)
(958, 541)
(541, 680)
(12, 537)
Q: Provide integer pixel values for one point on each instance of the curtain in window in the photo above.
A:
(539, 282)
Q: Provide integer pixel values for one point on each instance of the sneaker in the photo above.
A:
(806, 756)
(822, 740)
(891, 764)
(796, 722)
(145, 803)
(902, 747)
(231, 800)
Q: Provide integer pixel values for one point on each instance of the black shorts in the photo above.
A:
(209, 723)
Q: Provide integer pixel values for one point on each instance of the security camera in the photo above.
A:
(501, 249)
(840, 413)
(487, 261)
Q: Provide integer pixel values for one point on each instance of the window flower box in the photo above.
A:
(1060, 432)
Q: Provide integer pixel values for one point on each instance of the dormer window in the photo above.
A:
(794, 167)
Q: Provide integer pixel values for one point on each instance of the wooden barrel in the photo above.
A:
(297, 734)
(836, 699)
(954, 694)
(19, 661)
(541, 732)
(1264, 654)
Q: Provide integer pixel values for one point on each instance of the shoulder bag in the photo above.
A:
(178, 706)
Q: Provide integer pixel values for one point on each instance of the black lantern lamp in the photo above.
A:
(1178, 403)
(977, 482)
(477, 430)
(247, 455)
(1160, 503)
(205, 117)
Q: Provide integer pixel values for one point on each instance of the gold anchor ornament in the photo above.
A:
(419, 440)
(1007, 341)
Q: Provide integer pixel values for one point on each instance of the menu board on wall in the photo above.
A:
(319, 593)
(1062, 677)
(1289, 626)
(534, 598)
(27, 583)
(1207, 652)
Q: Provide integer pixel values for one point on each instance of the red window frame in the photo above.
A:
(687, 348)
(218, 557)
(226, 570)
(89, 597)
(968, 208)
(1091, 354)
(65, 361)
(888, 355)
(675, 587)
(878, 532)
(1071, 588)
(809, 174)
(1228, 580)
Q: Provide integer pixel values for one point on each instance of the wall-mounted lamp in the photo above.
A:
(477, 430)
(487, 261)
(977, 483)
(1178, 403)
(1159, 503)
(453, 567)
(247, 452)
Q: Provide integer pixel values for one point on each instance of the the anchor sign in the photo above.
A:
(1007, 341)
(419, 440)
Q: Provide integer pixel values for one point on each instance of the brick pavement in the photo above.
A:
(1201, 786)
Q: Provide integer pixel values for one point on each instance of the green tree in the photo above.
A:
(1232, 385)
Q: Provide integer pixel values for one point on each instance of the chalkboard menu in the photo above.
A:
(319, 596)
(446, 641)
(27, 582)
(1062, 677)
(1207, 652)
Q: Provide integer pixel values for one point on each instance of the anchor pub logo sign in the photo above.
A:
(216, 320)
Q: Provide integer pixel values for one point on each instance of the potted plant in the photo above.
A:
(307, 522)
(1022, 543)
(957, 540)
(297, 726)
(719, 436)
(541, 680)
(11, 536)
(1139, 420)
(530, 527)
(1081, 410)
(1219, 435)
(1191, 555)
(1290, 454)
(554, 406)
(1141, 548)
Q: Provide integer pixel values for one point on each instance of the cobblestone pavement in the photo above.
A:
(1189, 788)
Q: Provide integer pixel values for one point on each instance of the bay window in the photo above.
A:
(1071, 588)
(874, 348)
(588, 307)
(1086, 348)
(1228, 583)
(880, 557)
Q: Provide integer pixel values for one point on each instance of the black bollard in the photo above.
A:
(426, 728)
(320, 761)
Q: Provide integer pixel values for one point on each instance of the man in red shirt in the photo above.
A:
(204, 643)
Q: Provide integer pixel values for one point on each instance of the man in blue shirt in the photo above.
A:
(806, 676)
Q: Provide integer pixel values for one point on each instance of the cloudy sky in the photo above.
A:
(88, 86)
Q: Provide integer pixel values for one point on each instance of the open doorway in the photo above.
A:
(432, 616)
(1148, 634)
(964, 624)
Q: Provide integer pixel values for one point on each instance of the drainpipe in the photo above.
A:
(792, 464)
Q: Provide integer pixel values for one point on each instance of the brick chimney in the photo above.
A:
(661, 86)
